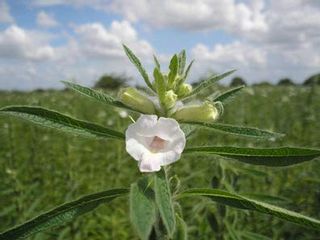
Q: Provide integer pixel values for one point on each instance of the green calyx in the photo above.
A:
(137, 100)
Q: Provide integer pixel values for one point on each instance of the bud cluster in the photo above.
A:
(170, 90)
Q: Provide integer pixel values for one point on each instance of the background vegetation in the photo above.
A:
(40, 168)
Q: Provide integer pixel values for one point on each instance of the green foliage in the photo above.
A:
(174, 68)
(239, 130)
(238, 201)
(62, 214)
(135, 60)
(188, 69)
(97, 95)
(110, 82)
(182, 61)
(58, 121)
(160, 84)
(209, 82)
(142, 207)
(164, 201)
(227, 95)
(156, 61)
(181, 232)
(272, 157)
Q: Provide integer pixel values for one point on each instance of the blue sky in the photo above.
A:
(45, 41)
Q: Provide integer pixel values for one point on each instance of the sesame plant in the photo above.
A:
(164, 116)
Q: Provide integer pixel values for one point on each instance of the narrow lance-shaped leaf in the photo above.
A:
(209, 82)
(159, 83)
(97, 95)
(238, 201)
(135, 60)
(156, 61)
(182, 61)
(273, 157)
(227, 95)
(142, 208)
(56, 120)
(181, 232)
(164, 201)
(62, 214)
(188, 69)
(239, 130)
(174, 66)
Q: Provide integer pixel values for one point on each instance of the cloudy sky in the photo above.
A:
(45, 41)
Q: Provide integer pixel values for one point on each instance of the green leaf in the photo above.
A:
(174, 66)
(62, 214)
(58, 121)
(97, 95)
(142, 208)
(238, 201)
(181, 232)
(188, 69)
(239, 130)
(188, 129)
(164, 201)
(156, 61)
(266, 198)
(209, 82)
(254, 236)
(227, 95)
(272, 157)
(182, 61)
(133, 58)
(159, 83)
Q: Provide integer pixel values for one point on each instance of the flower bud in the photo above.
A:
(184, 89)
(170, 99)
(197, 113)
(136, 100)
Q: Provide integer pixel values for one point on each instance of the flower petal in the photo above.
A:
(150, 163)
(169, 157)
(145, 125)
(135, 148)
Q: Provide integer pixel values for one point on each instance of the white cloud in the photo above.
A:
(17, 43)
(46, 20)
(90, 51)
(248, 60)
(5, 16)
(98, 41)
(193, 15)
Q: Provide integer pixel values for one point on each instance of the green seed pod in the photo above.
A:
(184, 89)
(135, 99)
(197, 113)
(170, 99)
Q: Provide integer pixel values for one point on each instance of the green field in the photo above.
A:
(41, 168)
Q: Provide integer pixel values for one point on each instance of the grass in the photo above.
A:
(40, 168)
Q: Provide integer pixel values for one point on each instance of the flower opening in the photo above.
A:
(154, 142)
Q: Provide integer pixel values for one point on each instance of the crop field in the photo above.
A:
(40, 168)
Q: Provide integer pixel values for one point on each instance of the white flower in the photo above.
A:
(154, 142)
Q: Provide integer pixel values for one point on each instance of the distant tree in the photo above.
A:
(286, 82)
(314, 79)
(110, 82)
(237, 81)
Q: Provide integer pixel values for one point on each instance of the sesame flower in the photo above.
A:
(154, 142)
